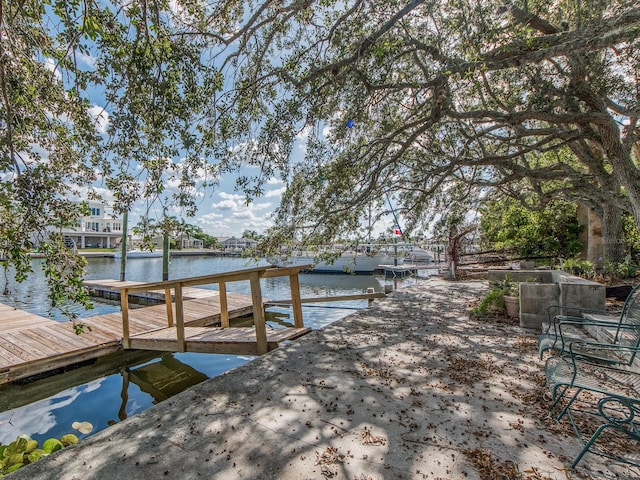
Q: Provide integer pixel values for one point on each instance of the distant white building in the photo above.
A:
(97, 230)
(184, 240)
(189, 242)
(233, 244)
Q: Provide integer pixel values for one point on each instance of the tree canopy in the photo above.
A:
(417, 95)
(415, 102)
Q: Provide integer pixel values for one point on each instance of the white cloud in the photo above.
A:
(174, 7)
(260, 206)
(275, 181)
(174, 210)
(216, 224)
(50, 65)
(304, 133)
(198, 175)
(251, 221)
(231, 196)
(36, 418)
(172, 183)
(93, 385)
(100, 118)
(225, 205)
(250, 146)
(231, 217)
(244, 215)
(275, 193)
(104, 193)
(37, 155)
(210, 217)
(83, 194)
(302, 147)
(88, 60)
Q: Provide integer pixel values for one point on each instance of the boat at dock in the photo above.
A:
(137, 253)
(414, 253)
(365, 260)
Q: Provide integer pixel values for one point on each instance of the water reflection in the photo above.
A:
(39, 417)
(161, 379)
(106, 400)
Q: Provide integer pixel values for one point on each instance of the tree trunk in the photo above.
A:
(627, 174)
(591, 237)
(612, 234)
(453, 248)
(452, 254)
(618, 153)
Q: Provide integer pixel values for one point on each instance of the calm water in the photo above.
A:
(120, 385)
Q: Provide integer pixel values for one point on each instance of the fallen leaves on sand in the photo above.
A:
(369, 439)
(493, 318)
(329, 456)
(460, 368)
(491, 469)
(534, 474)
(538, 402)
(327, 461)
(524, 343)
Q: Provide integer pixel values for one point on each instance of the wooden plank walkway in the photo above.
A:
(45, 345)
(31, 344)
(236, 341)
(108, 288)
(13, 319)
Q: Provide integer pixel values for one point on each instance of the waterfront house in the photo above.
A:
(189, 242)
(181, 242)
(96, 230)
(236, 245)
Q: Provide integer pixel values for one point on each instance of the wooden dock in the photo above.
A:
(237, 341)
(32, 345)
(188, 319)
(401, 271)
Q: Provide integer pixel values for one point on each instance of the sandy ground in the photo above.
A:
(410, 388)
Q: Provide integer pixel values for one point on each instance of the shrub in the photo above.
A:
(23, 450)
(493, 301)
(577, 266)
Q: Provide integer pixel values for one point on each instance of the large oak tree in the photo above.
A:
(418, 93)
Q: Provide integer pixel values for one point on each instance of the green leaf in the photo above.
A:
(18, 446)
(14, 467)
(36, 455)
(14, 459)
(52, 445)
(69, 439)
(31, 446)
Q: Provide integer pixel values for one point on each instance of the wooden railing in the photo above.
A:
(252, 275)
(338, 298)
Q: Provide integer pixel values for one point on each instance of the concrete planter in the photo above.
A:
(539, 289)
